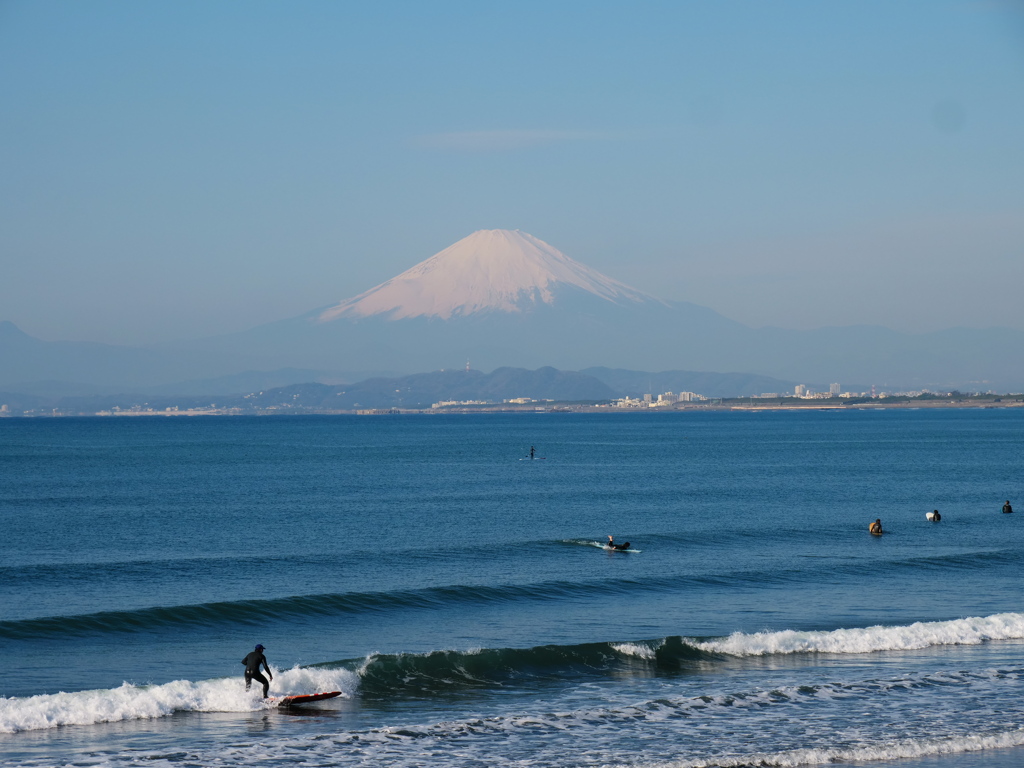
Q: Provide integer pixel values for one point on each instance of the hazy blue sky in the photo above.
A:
(177, 169)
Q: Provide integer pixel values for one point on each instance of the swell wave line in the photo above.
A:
(259, 612)
(387, 675)
(381, 677)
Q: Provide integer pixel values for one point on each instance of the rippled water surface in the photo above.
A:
(457, 594)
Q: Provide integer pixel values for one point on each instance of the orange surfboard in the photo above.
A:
(298, 701)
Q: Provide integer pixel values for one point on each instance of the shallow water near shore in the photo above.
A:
(458, 595)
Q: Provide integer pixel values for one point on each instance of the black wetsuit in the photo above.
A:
(252, 670)
(1007, 509)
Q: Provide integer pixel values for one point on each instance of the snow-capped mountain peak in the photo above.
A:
(490, 270)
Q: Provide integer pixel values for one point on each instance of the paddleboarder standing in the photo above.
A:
(252, 669)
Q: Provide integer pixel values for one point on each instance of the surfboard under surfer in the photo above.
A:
(252, 669)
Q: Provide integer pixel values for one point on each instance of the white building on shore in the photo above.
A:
(663, 400)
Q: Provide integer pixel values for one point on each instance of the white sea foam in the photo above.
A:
(890, 750)
(418, 745)
(930, 714)
(141, 702)
(585, 542)
(634, 649)
(970, 631)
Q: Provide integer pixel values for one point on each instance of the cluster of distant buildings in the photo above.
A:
(142, 410)
(834, 390)
(663, 400)
(800, 391)
(457, 403)
(645, 401)
(806, 393)
(510, 401)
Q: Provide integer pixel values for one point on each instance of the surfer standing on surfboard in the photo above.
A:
(252, 669)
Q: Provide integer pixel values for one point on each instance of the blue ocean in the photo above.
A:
(458, 594)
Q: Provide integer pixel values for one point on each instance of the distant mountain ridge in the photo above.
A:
(501, 298)
(505, 298)
(415, 392)
(420, 391)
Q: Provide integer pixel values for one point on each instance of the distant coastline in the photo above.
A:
(753, 404)
(747, 404)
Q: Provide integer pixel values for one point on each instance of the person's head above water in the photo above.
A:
(259, 647)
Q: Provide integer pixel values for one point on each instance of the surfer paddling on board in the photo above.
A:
(1007, 509)
(252, 669)
(875, 529)
(613, 545)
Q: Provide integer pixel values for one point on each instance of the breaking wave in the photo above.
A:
(383, 676)
(142, 702)
(970, 631)
(707, 731)
(413, 674)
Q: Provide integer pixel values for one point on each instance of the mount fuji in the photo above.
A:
(495, 298)
(501, 298)
(506, 298)
(493, 270)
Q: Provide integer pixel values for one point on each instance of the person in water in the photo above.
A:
(252, 669)
(934, 516)
(613, 545)
(1007, 509)
(532, 451)
(876, 527)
